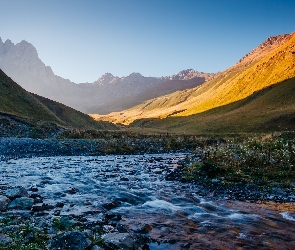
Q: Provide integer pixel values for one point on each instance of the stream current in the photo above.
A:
(171, 213)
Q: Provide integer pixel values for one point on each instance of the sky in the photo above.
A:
(83, 39)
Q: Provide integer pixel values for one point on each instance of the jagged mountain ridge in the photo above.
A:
(270, 63)
(108, 93)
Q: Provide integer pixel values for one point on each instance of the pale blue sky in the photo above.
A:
(83, 39)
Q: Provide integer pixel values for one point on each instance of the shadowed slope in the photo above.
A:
(17, 102)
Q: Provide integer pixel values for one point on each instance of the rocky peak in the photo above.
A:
(105, 79)
(135, 74)
(270, 43)
(190, 73)
(19, 50)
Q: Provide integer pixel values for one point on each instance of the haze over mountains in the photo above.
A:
(270, 63)
(109, 93)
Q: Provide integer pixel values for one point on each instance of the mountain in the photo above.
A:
(19, 107)
(270, 63)
(109, 93)
(268, 110)
(127, 92)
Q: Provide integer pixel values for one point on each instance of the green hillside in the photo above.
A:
(21, 105)
(270, 109)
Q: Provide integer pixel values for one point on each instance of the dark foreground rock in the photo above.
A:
(70, 240)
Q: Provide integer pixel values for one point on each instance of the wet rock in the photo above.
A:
(110, 205)
(34, 188)
(118, 241)
(124, 179)
(22, 203)
(143, 229)
(72, 190)
(57, 212)
(96, 248)
(41, 207)
(4, 201)
(144, 247)
(37, 198)
(214, 180)
(60, 204)
(16, 192)
(37, 208)
(87, 203)
(70, 240)
(4, 239)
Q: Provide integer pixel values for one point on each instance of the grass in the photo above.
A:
(267, 162)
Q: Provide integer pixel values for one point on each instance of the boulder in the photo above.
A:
(21, 203)
(4, 201)
(4, 239)
(16, 192)
(70, 240)
(118, 241)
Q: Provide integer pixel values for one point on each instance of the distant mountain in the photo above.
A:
(189, 74)
(17, 106)
(269, 64)
(109, 93)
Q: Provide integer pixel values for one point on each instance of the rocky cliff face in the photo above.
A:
(109, 93)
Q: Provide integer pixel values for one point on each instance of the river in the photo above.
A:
(168, 212)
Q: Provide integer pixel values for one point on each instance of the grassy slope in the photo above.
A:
(267, 65)
(270, 109)
(18, 102)
(72, 117)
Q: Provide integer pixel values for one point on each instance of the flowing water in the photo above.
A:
(170, 213)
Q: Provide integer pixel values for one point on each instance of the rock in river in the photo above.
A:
(4, 201)
(21, 203)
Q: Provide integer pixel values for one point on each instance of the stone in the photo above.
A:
(34, 188)
(124, 179)
(72, 190)
(96, 248)
(118, 240)
(16, 192)
(4, 239)
(21, 203)
(70, 240)
(4, 201)
(143, 228)
(214, 180)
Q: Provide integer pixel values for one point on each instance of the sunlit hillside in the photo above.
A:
(270, 63)
(268, 110)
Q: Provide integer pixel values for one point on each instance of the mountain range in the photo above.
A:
(255, 94)
(263, 80)
(109, 93)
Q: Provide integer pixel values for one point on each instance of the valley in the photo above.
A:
(189, 161)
